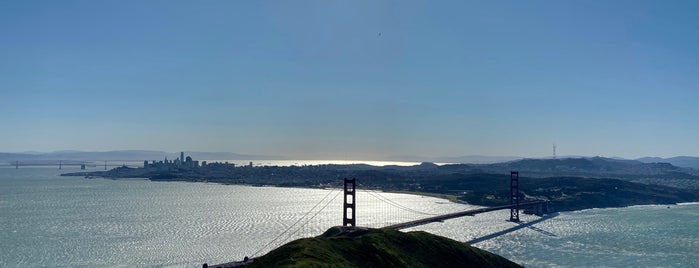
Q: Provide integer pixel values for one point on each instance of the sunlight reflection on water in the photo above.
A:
(70, 221)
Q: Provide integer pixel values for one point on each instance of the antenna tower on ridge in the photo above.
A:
(554, 151)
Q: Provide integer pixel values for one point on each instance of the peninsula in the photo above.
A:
(571, 184)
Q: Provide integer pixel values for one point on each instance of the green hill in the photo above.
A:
(339, 247)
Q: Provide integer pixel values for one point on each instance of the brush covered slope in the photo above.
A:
(360, 247)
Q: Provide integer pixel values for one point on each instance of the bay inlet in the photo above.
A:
(50, 220)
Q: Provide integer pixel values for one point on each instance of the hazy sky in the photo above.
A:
(352, 79)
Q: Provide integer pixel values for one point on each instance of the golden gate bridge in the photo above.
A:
(387, 208)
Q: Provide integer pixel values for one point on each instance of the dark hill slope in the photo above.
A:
(680, 161)
(596, 167)
(378, 248)
(566, 193)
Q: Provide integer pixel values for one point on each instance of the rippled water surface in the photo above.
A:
(48, 220)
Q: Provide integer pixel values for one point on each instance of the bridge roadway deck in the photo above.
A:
(404, 225)
(471, 212)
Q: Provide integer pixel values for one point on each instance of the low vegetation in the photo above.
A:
(339, 247)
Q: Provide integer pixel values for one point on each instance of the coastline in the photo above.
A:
(449, 197)
(479, 189)
(445, 197)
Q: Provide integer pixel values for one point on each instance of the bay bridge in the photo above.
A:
(350, 207)
(83, 164)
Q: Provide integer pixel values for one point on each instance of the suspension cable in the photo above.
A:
(399, 206)
(297, 221)
(393, 203)
(311, 218)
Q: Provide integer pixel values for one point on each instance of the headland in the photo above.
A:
(571, 184)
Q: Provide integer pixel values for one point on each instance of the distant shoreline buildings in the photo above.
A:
(180, 162)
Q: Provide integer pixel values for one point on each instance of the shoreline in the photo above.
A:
(478, 189)
(445, 197)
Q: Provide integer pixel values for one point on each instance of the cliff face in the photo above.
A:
(378, 248)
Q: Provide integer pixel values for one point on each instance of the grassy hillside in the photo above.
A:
(566, 193)
(379, 248)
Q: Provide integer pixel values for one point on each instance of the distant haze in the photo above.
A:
(352, 79)
(140, 155)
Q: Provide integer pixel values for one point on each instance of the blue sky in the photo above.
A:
(352, 79)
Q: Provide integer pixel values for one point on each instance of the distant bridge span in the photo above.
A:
(68, 163)
(471, 212)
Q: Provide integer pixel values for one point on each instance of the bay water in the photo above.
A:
(51, 221)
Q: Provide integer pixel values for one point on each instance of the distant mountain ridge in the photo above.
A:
(466, 159)
(139, 155)
(680, 161)
(128, 155)
(588, 167)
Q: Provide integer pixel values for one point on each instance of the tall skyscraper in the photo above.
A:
(181, 157)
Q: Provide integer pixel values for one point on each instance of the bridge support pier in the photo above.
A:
(540, 209)
(514, 196)
(350, 190)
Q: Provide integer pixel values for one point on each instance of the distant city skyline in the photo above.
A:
(352, 80)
